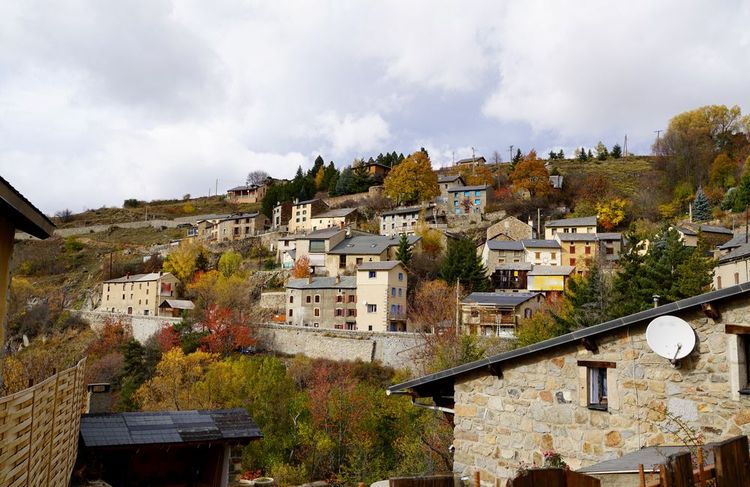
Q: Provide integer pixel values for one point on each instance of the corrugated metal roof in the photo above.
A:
(499, 299)
(345, 282)
(168, 427)
(447, 376)
(585, 221)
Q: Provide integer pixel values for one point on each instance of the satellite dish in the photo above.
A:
(670, 337)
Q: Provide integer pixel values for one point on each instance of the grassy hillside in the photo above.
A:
(625, 173)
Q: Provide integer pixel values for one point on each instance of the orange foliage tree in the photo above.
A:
(531, 175)
(225, 333)
(301, 268)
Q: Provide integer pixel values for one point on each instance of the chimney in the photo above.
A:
(338, 278)
(296, 200)
(656, 298)
(310, 279)
(99, 398)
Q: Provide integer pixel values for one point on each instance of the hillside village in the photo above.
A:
(391, 318)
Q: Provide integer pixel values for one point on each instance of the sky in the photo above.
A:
(101, 101)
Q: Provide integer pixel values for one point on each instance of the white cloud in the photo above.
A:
(349, 133)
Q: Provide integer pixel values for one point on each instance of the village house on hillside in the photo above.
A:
(381, 296)
(469, 200)
(302, 214)
(406, 220)
(712, 235)
(600, 392)
(338, 218)
(510, 228)
(448, 181)
(498, 313)
(280, 215)
(733, 267)
(586, 224)
(139, 294)
(471, 160)
(356, 250)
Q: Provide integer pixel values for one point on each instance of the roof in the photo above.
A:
(734, 242)
(368, 244)
(586, 221)
(369, 164)
(404, 210)
(470, 160)
(551, 270)
(322, 233)
(576, 237)
(246, 187)
(541, 244)
(306, 202)
(609, 235)
(240, 216)
(153, 276)
(346, 282)
(168, 427)
(499, 299)
(338, 212)
(445, 378)
(515, 266)
(449, 178)
(649, 457)
(457, 189)
(177, 304)
(24, 215)
(705, 229)
(504, 245)
(556, 181)
(738, 253)
(385, 265)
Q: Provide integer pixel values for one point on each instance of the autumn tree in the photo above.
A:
(433, 306)
(301, 267)
(412, 181)
(723, 171)
(431, 240)
(601, 151)
(185, 260)
(611, 213)
(531, 175)
(476, 174)
(225, 332)
(229, 263)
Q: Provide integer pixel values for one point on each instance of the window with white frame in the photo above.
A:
(597, 386)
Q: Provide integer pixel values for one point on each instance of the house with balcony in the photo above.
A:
(585, 224)
(138, 294)
(316, 246)
(377, 171)
(239, 227)
(322, 302)
(302, 214)
(381, 296)
(337, 218)
(510, 277)
(359, 248)
(542, 252)
(497, 314)
(247, 193)
(468, 200)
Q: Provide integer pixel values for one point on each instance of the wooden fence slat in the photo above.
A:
(679, 470)
(732, 462)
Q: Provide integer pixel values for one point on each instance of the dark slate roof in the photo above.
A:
(740, 253)
(306, 202)
(734, 242)
(345, 282)
(470, 160)
(245, 187)
(576, 237)
(586, 221)
(152, 276)
(515, 266)
(609, 236)
(168, 427)
(338, 212)
(404, 210)
(322, 233)
(368, 245)
(385, 265)
(649, 457)
(444, 379)
(240, 216)
(551, 270)
(705, 229)
(24, 215)
(504, 245)
(541, 244)
(499, 299)
(456, 189)
(449, 178)
(177, 304)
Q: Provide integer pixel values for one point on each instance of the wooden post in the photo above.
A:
(700, 466)
(477, 479)
(641, 476)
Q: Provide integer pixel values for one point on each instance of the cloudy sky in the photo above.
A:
(106, 100)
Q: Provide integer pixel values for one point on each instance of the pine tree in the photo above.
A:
(701, 207)
(561, 155)
(616, 152)
(587, 302)
(462, 264)
(404, 252)
(518, 157)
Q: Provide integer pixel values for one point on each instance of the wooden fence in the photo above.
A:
(39, 429)
(553, 477)
(731, 468)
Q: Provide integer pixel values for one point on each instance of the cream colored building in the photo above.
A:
(586, 224)
(381, 296)
(338, 218)
(361, 248)
(733, 268)
(249, 193)
(139, 294)
(542, 252)
(303, 213)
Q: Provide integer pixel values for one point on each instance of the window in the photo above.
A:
(477, 202)
(316, 312)
(351, 326)
(339, 312)
(393, 292)
(587, 251)
(572, 261)
(527, 313)
(400, 292)
(123, 296)
(736, 277)
(477, 193)
(609, 250)
(145, 312)
(718, 282)
(537, 255)
(317, 246)
(572, 249)
(455, 203)
(372, 308)
(352, 298)
(400, 276)
(291, 312)
(466, 193)
(339, 298)
(291, 299)
(501, 260)
(107, 297)
(359, 260)
(308, 299)
(597, 388)
(372, 274)
(573, 230)
(317, 298)
(745, 349)
(554, 255)
(351, 312)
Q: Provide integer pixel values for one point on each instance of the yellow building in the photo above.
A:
(303, 213)
(139, 294)
(381, 296)
(16, 214)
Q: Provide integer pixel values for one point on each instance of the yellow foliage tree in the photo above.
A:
(301, 267)
(182, 262)
(476, 174)
(432, 240)
(173, 386)
(213, 287)
(611, 213)
(412, 181)
(319, 177)
(531, 175)
(723, 171)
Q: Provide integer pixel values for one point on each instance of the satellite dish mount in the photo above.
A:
(670, 337)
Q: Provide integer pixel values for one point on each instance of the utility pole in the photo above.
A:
(454, 158)
(216, 191)
(625, 148)
(511, 154)
(657, 132)
(458, 310)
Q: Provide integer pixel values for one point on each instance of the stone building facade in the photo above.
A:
(510, 408)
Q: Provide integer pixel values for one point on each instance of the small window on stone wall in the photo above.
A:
(596, 385)
(738, 355)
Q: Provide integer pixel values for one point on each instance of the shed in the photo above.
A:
(175, 307)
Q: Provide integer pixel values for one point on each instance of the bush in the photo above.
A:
(72, 244)
(269, 264)
(131, 203)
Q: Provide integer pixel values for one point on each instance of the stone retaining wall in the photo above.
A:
(143, 327)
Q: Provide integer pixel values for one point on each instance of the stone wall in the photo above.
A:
(143, 327)
(393, 349)
(539, 402)
(337, 201)
(273, 300)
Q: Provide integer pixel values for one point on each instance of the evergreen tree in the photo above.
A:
(628, 297)
(587, 302)
(518, 157)
(552, 155)
(582, 154)
(463, 264)
(589, 156)
(561, 155)
(601, 151)
(345, 182)
(404, 252)
(616, 152)
(701, 206)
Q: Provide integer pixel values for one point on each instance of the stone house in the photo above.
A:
(468, 200)
(471, 160)
(406, 220)
(498, 313)
(510, 277)
(322, 302)
(713, 235)
(360, 248)
(248, 193)
(139, 294)
(542, 252)
(586, 224)
(16, 214)
(510, 228)
(448, 181)
(733, 268)
(600, 392)
(338, 218)
(238, 227)
(281, 214)
(377, 171)
(381, 292)
(498, 252)
(316, 246)
(302, 213)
